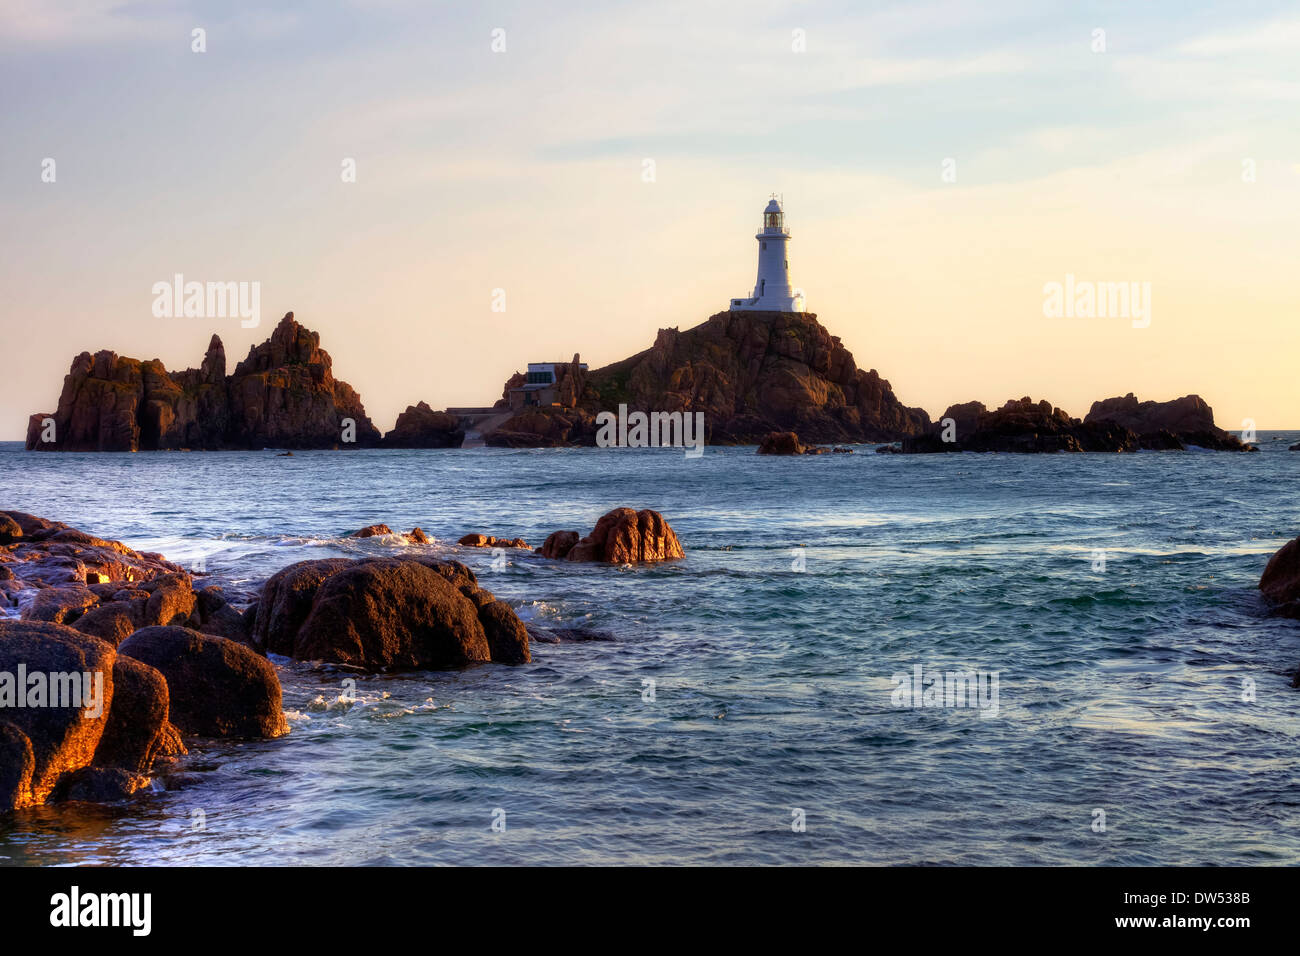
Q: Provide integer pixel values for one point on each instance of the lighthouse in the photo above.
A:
(772, 291)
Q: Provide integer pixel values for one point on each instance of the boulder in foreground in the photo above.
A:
(138, 730)
(218, 688)
(386, 614)
(60, 739)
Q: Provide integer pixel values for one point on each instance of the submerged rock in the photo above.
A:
(100, 785)
(489, 541)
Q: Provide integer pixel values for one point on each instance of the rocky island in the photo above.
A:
(749, 372)
(1114, 425)
(284, 394)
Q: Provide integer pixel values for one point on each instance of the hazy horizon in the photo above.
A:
(1170, 158)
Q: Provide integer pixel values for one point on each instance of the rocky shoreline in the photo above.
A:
(176, 665)
(168, 663)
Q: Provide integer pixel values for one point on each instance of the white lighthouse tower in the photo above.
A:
(772, 291)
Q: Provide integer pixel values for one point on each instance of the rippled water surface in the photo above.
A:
(1119, 690)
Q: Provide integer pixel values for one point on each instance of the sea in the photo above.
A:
(753, 703)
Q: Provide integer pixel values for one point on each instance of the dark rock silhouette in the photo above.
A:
(780, 443)
(1115, 425)
(1166, 425)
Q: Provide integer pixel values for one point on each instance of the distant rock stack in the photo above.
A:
(283, 394)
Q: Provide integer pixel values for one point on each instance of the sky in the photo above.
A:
(606, 166)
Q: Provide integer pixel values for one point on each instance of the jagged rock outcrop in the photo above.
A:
(1162, 425)
(750, 373)
(283, 394)
(421, 427)
(1116, 425)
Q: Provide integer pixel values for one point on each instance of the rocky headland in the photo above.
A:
(750, 373)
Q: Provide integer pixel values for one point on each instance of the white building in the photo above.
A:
(541, 384)
(772, 291)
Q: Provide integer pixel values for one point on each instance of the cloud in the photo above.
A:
(1279, 35)
(53, 23)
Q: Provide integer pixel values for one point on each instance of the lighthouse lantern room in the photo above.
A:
(772, 291)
